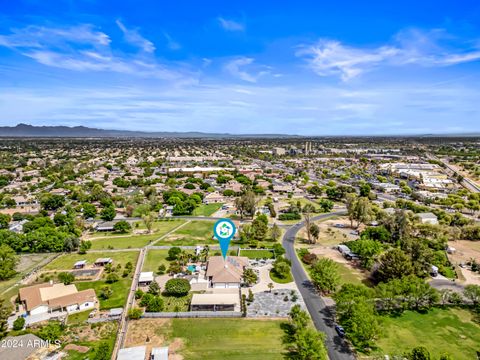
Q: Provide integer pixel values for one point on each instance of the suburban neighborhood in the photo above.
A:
(239, 180)
(112, 239)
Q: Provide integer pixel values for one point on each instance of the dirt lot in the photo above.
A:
(330, 234)
(466, 250)
(143, 332)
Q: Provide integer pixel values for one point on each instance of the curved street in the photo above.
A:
(321, 314)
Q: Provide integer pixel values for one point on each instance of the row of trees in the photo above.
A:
(302, 341)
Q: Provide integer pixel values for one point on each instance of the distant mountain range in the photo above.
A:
(24, 130)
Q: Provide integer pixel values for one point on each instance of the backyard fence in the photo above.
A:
(104, 319)
(193, 314)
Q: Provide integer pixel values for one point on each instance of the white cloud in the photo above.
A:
(237, 67)
(230, 25)
(171, 44)
(83, 48)
(309, 110)
(34, 36)
(434, 48)
(331, 58)
(133, 37)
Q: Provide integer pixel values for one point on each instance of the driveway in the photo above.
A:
(264, 280)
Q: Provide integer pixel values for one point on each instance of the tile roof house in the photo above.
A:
(48, 297)
(226, 273)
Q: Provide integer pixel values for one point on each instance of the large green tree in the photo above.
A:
(393, 264)
(324, 274)
(8, 261)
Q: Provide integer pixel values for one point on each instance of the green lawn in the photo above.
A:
(66, 261)
(279, 280)
(154, 258)
(172, 303)
(257, 254)
(193, 233)
(206, 209)
(347, 274)
(78, 318)
(220, 339)
(161, 227)
(123, 242)
(441, 331)
(120, 291)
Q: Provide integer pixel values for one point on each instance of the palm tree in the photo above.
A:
(249, 277)
(204, 253)
(183, 257)
(270, 286)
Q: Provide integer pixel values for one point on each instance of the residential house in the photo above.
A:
(226, 273)
(49, 297)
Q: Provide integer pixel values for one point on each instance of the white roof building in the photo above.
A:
(428, 218)
(160, 353)
(146, 277)
(132, 353)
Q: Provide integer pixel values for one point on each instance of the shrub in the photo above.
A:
(105, 292)
(309, 258)
(177, 287)
(111, 278)
(289, 216)
(135, 313)
(66, 277)
(161, 269)
(51, 332)
(19, 323)
(138, 294)
(122, 227)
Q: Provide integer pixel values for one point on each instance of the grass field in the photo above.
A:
(117, 241)
(279, 280)
(257, 254)
(220, 339)
(193, 233)
(173, 304)
(441, 331)
(78, 318)
(160, 227)
(206, 209)
(347, 275)
(120, 291)
(123, 242)
(66, 261)
(27, 263)
(154, 258)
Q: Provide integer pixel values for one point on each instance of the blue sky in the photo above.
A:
(303, 67)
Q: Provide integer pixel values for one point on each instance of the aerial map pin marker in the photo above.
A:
(224, 231)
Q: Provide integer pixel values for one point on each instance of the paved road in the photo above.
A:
(442, 284)
(468, 183)
(322, 315)
(122, 327)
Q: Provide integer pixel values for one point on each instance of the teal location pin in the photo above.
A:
(224, 231)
